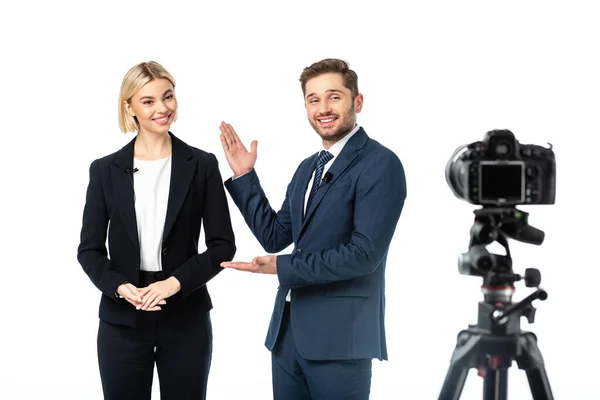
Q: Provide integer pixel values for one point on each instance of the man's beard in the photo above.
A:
(344, 129)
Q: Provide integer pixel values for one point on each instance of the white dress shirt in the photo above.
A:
(335, 151)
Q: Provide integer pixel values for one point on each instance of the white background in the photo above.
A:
(435, 75)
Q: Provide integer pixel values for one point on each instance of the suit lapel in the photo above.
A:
(340, 164)
(122, 180)
(300, 194)
(183, 168)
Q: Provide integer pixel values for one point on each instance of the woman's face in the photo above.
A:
(154, 105)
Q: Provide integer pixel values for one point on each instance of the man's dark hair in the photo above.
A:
(331, 65)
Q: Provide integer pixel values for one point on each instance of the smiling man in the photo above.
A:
(341, 210)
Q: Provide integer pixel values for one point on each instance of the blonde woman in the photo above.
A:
(150, 199)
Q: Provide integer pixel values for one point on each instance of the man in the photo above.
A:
(341, 210)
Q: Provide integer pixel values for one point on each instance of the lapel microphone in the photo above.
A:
(328, 176)
(130, 175)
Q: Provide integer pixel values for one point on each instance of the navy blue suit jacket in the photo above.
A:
(196, 197)
(337, 268)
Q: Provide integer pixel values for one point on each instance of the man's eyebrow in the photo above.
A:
(327, 91)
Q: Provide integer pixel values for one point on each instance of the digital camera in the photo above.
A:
(500, 171)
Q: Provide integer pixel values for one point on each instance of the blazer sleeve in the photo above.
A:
(92, 253)
(272, 229)
(380, 195)
(218, 234)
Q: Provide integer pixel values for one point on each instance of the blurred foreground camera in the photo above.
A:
(500, 171)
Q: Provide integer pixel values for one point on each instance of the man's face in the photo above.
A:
(330, 108)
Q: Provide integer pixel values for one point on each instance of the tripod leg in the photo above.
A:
(495, 384)
(463, 358)
(532, 362)
(454, 383)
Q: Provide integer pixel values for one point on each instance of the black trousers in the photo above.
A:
(181, 350)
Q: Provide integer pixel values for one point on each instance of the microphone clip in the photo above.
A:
(129, 170)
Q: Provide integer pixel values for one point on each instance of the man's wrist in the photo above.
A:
(236, 176)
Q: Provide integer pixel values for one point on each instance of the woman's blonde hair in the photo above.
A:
(133, 81)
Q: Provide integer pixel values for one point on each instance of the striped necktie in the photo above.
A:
(324, 158)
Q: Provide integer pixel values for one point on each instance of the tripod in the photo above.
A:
(497, 339)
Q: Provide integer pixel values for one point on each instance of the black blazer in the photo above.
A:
(196, 197)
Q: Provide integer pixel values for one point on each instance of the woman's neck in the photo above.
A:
(152, 146)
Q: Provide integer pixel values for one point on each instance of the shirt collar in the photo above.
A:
(337, 147)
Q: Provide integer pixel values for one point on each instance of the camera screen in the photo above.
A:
(501, 181)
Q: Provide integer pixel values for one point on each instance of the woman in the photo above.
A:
(151, 198)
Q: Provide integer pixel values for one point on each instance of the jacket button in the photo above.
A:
(165, 251)
(298, 250)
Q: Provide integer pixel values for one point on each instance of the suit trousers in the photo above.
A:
(296, 378)
(181, 351)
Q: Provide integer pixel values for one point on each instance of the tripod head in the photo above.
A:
(499, 224)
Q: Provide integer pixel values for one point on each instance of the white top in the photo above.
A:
(151, 184)
(335, 151)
